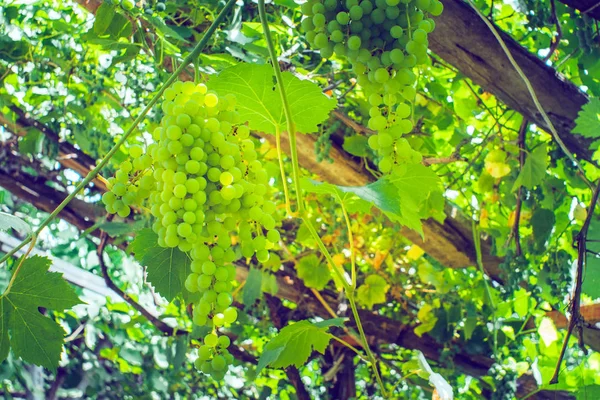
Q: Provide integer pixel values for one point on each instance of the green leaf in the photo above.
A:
(31, 143)
(120, 27)
(591, 277)
(104, 17)
(587, 122)
(465, 108)
(167, 268)
(252, 288)
(534, 169)
(372, 291)
(588, 392)
(121, 228)
(428, 319)
(356, 145)
(33, 337)
(415, 185)
(400, 197)
(269, 283)
(470, 325)
(542, 222)
(294, 343)
(521, 302)
(160, 25)
(313, 272)
(8, 221)
(259, 102)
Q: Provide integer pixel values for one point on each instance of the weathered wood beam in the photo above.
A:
(68, 155)
(462, 39)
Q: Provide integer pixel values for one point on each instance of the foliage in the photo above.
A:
(84, 75)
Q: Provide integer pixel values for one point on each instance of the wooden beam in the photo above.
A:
(68, 155)
(462, 39)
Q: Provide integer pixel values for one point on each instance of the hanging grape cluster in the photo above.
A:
(384, 40)
(205, 186)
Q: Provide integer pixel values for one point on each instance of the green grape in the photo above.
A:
(205, 352)
(356, 12)
(354, 43)
(230, 315)
(224, 342)
(211, 340)
(218, 363)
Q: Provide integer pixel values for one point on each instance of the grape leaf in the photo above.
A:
(534, 169)
(399, 197)
(104, 17)
(8, 221)
(32, 336)
(587, 122)
(542, 222)
(372, 291)
(252, 287)
(259, 102)
(415, 184)
(167, 268)
(294, 343)
(356, 145)
(314, 273)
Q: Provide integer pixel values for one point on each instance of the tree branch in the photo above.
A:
(576, 319)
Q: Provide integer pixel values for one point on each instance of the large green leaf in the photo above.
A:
(534, 169)
(294, 343)
(588, 120)
(259, 102)
(400, 196)
(32, 336)
(167, 268)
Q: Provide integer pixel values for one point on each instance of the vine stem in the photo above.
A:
(351, 240)
(348, 345)
(533, 95)
(14, 276)
(301, 212)
(286, 193)
(93, 173)
(291, 126)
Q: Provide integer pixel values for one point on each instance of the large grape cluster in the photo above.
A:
(206, 189)
(384, 40)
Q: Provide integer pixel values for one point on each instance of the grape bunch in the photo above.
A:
(132, 184)
(505, 382)
(210, 187)
(384, 40)
(206, 189)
